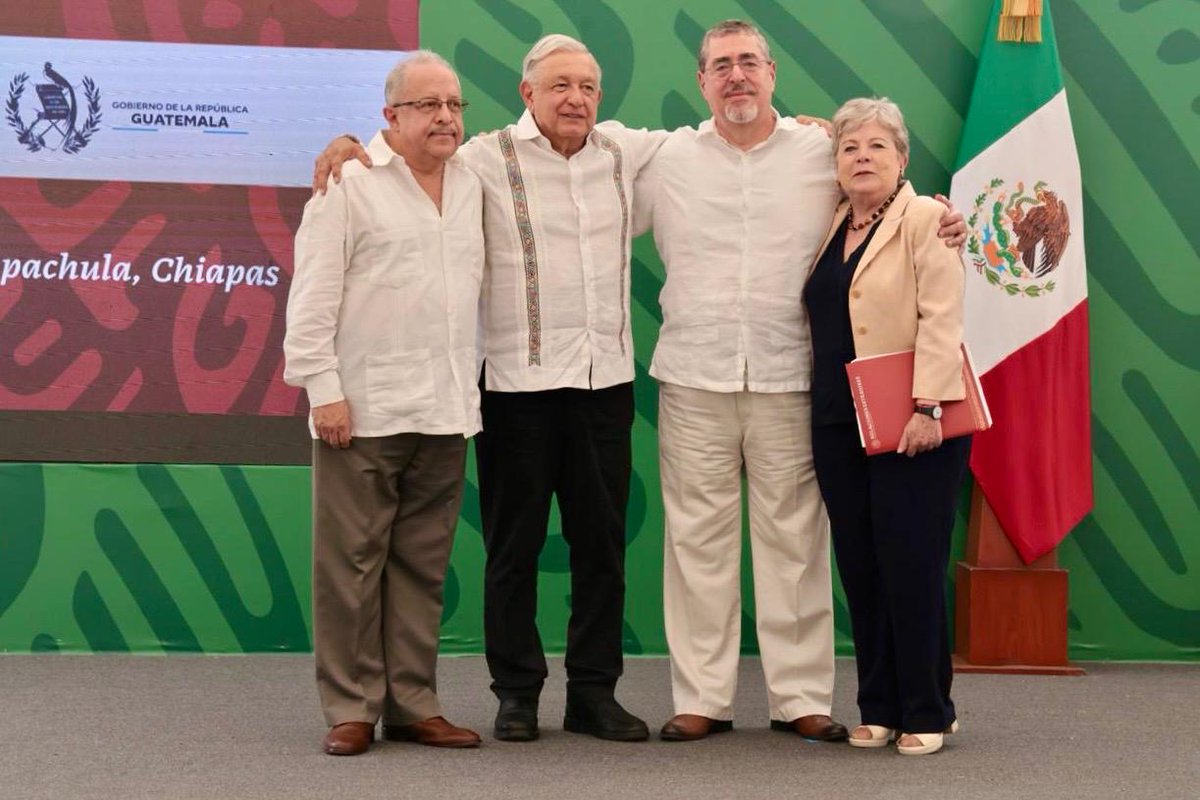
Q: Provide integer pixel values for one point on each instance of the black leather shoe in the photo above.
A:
(516, 721)
(603, 718)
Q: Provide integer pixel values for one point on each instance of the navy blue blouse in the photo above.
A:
(827, 299)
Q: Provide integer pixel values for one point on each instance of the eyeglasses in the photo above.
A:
(723, 67)
(428, 105)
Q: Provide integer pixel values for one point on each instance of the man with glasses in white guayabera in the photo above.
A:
(381, 331)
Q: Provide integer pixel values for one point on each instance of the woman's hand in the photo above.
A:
(336, 153)
(922, 433)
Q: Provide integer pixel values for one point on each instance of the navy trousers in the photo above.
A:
(891, 517)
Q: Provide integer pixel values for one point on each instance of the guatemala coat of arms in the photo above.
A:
(60, 123)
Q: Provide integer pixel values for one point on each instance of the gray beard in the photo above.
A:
(740, 115)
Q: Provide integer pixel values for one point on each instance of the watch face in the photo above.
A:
(937, 412)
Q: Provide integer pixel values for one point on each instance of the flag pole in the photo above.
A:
(1009, 617)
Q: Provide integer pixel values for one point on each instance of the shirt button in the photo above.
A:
(862, 329)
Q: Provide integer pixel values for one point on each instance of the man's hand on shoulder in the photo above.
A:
(330, 161)
(332, 423)
(952, 228)
(820, 122)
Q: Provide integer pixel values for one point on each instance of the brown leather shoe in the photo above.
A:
(432, 732)
(814, 727)
(690, 727)
(349, 738)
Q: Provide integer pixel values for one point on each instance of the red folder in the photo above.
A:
(883, 401)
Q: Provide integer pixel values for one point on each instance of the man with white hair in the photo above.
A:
(558, 391)
(381, 330)
(557, 382)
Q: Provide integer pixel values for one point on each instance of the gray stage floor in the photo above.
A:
(248, 727)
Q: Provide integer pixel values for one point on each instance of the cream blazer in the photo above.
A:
(907, 294)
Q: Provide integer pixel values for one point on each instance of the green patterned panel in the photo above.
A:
(150, 557)
(1133, 84)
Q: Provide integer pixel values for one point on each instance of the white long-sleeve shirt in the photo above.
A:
(558, 232)
(383, 306)
(737, 232)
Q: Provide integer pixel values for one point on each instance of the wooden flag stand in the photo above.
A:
(1009, 617)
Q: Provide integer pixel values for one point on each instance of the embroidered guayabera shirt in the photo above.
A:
(737, 231)
(383, 306)
(555, 310)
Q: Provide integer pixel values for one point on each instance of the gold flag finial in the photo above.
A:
(1020, 21)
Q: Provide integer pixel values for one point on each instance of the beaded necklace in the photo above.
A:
(878, 212)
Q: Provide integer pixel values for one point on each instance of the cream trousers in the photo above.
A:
(706, 439)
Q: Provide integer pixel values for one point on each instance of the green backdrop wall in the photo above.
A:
(216, 558)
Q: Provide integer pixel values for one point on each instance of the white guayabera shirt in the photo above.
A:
(383, 306)
(738, 232)
(558, 230)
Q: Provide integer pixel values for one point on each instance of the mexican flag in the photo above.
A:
(1026, 318)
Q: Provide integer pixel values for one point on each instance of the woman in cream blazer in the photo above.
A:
(885, 282)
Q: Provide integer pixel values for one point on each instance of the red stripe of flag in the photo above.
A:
(1042, 427)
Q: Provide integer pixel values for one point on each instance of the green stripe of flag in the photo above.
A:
(1014, 80)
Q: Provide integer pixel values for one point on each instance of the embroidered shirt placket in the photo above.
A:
(614, 150)
(528, 246)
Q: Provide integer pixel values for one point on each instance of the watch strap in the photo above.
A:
(933, 412)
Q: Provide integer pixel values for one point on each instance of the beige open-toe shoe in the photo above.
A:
(929, 742)
(877, 736)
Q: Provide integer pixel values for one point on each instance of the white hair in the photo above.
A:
(549, 44)
(393, 87)
(861, 110)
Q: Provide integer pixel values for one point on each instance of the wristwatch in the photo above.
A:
(933, 412)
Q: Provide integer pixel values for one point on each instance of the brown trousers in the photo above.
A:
(384, 513)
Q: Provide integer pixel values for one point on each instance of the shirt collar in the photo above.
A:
(528, 129)
(380, 151)
(709, 128)
(382, 154)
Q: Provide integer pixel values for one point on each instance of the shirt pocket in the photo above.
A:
(400, 384)
(699, 334)
(785, 341)
(465, 259)
(786, 354)
(392, 258)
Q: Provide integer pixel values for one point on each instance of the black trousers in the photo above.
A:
(573, 443)
(891, 517)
